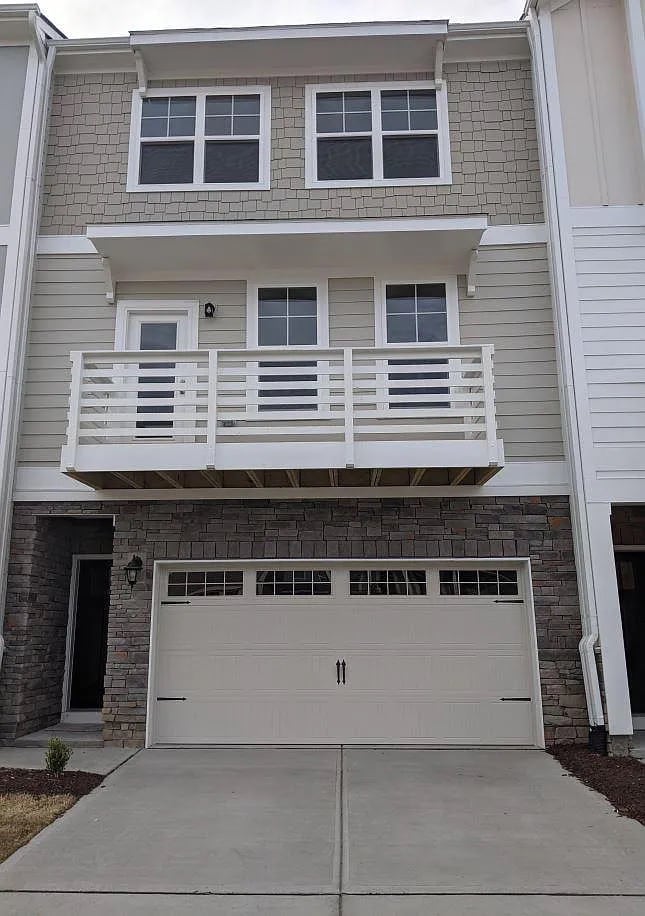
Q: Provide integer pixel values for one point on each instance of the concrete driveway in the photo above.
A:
(281, 832)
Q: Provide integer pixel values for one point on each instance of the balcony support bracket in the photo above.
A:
(108, 280)
(459, 475)
(142, 74)
(333, 477)
(417, 476)
(438, 63)
(471, 284)
(255, 479)
(213, 478)
(294, 478)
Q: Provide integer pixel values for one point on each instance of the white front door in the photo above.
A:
(162, 385)
(335, 655)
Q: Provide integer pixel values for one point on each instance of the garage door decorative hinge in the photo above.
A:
(175, 602)
(159, 699)
(515, 699)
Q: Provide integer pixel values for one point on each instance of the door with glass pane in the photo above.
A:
(161, 385)
(287, 317)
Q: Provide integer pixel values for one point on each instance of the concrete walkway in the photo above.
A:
(286, 831)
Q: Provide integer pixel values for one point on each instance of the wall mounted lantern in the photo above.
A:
(210, 310)
(132, 571)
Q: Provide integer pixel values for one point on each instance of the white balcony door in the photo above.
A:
(164, 386)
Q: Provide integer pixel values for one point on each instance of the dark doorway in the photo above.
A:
(630, 570)
(90, 633)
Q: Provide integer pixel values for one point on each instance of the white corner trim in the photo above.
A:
(520, 234)
(64, 245)
(4, 235)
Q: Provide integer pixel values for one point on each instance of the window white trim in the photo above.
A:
(452, 307)
(445, 165)
(322, 311)
(200, 94)
(127, 307)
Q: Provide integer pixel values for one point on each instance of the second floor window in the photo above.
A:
(377, 135)
(202, 139)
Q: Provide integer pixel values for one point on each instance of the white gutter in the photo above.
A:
(26, 231)
(555, 197)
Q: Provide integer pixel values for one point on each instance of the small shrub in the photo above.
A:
(57, 756)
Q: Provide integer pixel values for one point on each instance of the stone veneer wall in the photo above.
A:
(493, 143)
(505, 527)
(35, 626)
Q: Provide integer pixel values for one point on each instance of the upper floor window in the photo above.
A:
(200, 139)
(390, 134)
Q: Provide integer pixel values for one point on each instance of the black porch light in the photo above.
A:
(132, 570)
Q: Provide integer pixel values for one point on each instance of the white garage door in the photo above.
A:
(412, 654)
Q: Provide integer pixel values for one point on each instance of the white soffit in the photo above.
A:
(348, 247)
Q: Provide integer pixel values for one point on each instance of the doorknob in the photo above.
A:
(338, 671)
(344, 667)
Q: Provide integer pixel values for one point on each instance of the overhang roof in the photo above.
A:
(334, 48)
(337, 247)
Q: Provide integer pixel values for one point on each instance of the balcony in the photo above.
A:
(415, 415)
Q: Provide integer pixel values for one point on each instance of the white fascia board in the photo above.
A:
(273, 33)
(287, 227)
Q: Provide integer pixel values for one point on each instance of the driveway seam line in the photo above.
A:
(153, 893)
(341, 825)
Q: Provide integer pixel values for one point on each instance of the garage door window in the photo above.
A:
(388, 582)
(472, 582)
(293, 582)
(204, 583)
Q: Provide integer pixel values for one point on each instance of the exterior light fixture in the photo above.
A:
(132, 571)
(210, 310)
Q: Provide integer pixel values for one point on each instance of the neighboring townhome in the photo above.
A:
(25, 74)
(590, 72)
(291, 464)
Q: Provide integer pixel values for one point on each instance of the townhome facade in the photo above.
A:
(590, 72)
(292, 462)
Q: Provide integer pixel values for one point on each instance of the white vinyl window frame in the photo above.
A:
(322, 312)
(200, 138)
(380, 308)
(443, 133)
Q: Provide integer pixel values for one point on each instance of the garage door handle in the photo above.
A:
(165, 699)
(344, 667)
(338, 671)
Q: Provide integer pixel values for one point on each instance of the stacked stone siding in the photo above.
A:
(493, 142)
(35, 626)
(450, 528)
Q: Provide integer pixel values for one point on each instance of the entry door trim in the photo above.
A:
(156, 308)
(638, 721)
(523, 565)
(77, 559)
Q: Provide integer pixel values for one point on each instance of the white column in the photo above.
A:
(610, 627)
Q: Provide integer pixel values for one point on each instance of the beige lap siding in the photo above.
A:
(510, 310)
(493, 145)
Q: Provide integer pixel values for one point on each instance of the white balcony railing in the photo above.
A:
(415, 406)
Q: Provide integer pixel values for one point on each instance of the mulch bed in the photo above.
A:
(40, 782)
(620, 779)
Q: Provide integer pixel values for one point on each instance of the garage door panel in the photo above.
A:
(459, 674)
(249, 625)
(202, 672)
(251, 719)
